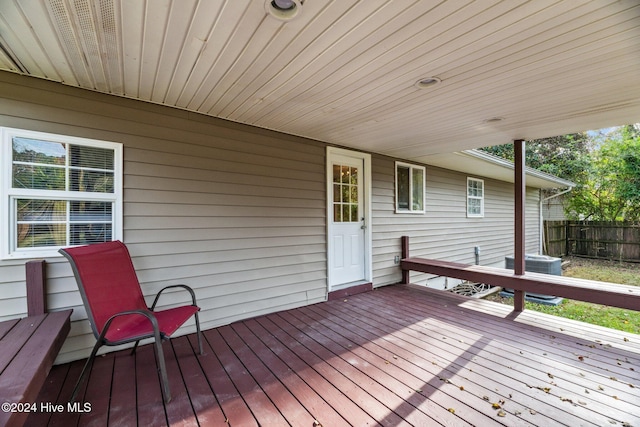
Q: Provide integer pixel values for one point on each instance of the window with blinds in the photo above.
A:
(58, 191)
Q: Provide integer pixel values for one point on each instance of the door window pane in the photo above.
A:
(345, 194)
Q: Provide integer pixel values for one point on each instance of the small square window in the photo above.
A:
(475, 198)
(410, 188)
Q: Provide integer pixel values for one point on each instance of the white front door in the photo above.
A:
(348, 218)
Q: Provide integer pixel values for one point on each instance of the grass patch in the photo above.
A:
(605, 271)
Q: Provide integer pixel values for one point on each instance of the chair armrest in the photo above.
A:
(188, 288)
(148, 314)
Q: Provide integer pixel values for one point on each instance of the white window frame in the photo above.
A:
(9, 195)
(474, 197)
(411, 168)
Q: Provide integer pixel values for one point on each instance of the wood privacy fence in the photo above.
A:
(594, 239)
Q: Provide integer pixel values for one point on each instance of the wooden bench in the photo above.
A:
(28, 348)
(611, 294)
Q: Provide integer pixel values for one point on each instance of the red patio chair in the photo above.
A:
(116, 307)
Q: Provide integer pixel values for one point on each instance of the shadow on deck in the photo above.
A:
(399, 355)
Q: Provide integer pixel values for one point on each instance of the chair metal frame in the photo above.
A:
(150, 313)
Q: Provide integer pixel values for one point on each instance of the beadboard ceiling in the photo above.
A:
(344, 71)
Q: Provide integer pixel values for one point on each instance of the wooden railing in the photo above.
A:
(611, 294)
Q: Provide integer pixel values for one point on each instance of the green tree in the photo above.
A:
(605, 168)
(611, 188)
(565, 156)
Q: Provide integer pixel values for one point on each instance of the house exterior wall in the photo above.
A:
(236, 212)
(444, 231)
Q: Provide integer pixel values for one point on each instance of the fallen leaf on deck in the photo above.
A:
(502, 414)
(453, 411)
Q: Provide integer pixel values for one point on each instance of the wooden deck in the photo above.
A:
(400, 355)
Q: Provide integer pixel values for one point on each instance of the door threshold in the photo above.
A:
(349, 289)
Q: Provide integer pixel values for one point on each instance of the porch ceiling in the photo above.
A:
(343, 71)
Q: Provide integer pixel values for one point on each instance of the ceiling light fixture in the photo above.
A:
(284, 10)
(427, 82)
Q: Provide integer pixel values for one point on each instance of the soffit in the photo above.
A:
(343, 71)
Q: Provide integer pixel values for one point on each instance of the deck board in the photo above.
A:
(399, 355)
(515, 366)
(203, 401)
(123, 390)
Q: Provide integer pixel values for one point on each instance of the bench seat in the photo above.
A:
(28, 348)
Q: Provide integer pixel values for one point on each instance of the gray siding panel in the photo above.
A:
(236, 212)
(239, 213)
(444, 231)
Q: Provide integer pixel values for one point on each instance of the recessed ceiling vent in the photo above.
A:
(86, 30)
